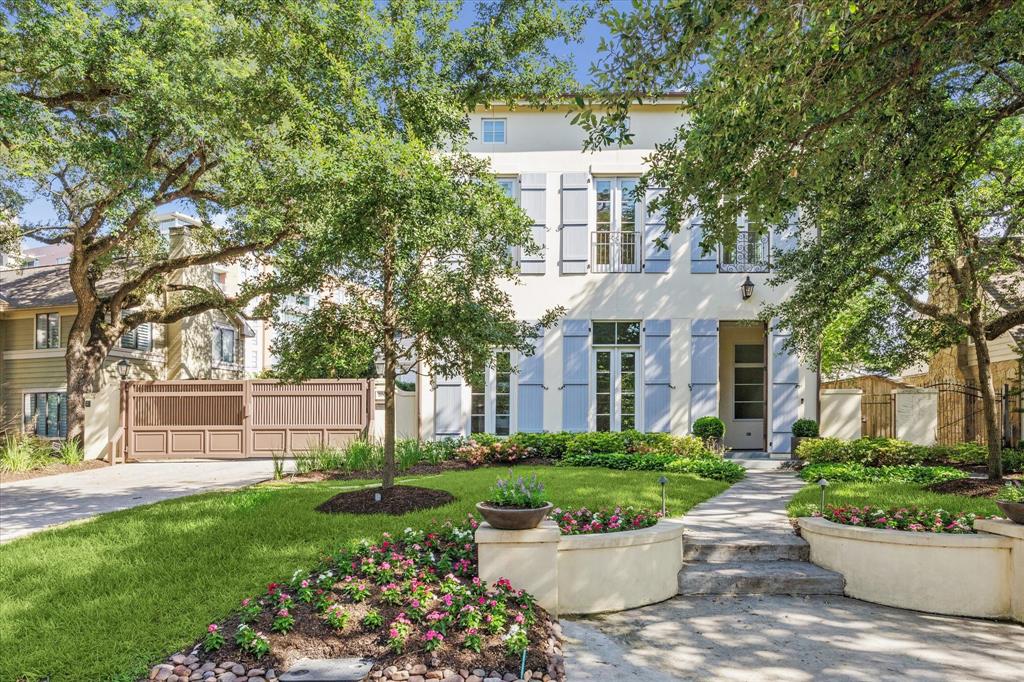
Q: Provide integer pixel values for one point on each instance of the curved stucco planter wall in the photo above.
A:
(963, 575)
(618, 571)
(585, 573)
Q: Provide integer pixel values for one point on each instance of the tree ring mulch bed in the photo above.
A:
(396, 500)
(970, 487)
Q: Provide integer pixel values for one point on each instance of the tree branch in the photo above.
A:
(1003, 324)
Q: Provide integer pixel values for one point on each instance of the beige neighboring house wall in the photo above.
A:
(183, 350)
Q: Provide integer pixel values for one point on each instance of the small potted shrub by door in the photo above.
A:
(515, 504)
(1011, 501)
(711, 430)
(803, 429)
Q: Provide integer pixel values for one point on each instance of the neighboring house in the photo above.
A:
(37, 309)
(653, 339)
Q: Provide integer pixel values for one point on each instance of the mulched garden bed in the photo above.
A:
(396, 500)
(413, 604)
(51, 470)
(417, 470)
(971, 487)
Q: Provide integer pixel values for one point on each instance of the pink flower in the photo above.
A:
(245, 602)
(305, 583)
(283, 613)
(393, 632)
(212, 628)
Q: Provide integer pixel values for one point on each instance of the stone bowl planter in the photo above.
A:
(512, 518)
(1013, 510)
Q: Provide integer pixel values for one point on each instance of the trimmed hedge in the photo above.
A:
(878, 452)
(713, 468)
(855, 472)
(709, 427)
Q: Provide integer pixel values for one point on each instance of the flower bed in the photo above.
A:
(412, 602)
(907, 519)
(583, 521)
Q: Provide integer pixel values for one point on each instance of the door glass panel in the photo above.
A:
(749, 410)
(502, 393)
(603, 191)
(749, 354)
(604, 397)
(604, 334)
(749, 392)
(628, 333)
(627, 389)
(749, 375)
(478, 409)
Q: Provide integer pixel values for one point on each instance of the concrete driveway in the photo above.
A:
(30, 506)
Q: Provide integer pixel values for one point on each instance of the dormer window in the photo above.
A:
(493, 131)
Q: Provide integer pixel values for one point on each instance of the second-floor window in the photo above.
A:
(224, 340)
(749, 253)
(140, 338)
(493, 130)
(48, 330)
(617, 233)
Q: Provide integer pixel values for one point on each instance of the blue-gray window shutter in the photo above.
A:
(448, 406)
(533, 199)
(701, 262)
(657, 375)
(784, 239)
(530, 408)
(703, 369)
(575, 222)
(656, 259)
(575, 375)
(785, 392)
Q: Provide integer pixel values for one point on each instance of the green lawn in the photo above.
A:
(886, 495)
(105, 599)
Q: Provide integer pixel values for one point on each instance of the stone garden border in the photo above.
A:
(579, 574)
(979, 575)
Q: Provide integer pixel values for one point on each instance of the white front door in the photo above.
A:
(615, 389)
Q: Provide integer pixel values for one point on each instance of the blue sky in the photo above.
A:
(583, 53)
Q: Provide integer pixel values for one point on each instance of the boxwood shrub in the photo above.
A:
(856, 473)
(709, 427)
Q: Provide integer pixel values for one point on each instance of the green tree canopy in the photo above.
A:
(887, 136)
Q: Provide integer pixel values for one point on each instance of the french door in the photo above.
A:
(615, 389)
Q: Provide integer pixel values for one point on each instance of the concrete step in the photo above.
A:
(758, 577)
(725, 551)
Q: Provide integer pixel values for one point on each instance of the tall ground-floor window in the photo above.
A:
(616, 363)
(46, 414)
(491, 399)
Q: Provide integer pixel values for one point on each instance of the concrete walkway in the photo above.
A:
(30, 506)
(753, 510)
(788, 638)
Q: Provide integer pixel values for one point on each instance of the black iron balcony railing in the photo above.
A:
(748, 254)
(615, 252)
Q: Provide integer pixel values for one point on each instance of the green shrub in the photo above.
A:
(961, 453)
(71, 452)
(550, 445)
(805, 428)
(709, 427)
(408, 453)
(1013, 461)
(22, 452)
(484, 438)
(714, 468)
(856, 472)
(361, 455)
(1011, 493)
(824, 450)
(596, 442)
(706, 467)
(691, 446)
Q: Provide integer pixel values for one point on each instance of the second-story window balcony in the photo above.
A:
(749, 253)
(615, 243)
(615, 251)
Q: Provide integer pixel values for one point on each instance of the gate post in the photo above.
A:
(247, 447)
(916, 415)
(841, 413)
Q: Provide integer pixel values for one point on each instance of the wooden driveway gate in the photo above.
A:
(244, 418)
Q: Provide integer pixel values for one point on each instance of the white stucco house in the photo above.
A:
(653, 339)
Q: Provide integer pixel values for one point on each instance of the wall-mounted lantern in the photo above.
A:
(747, 288)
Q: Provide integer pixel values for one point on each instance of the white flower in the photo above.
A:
(512, 632)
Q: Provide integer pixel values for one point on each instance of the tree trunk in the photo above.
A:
(390, 374)
(988, 399)
(81, 371)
